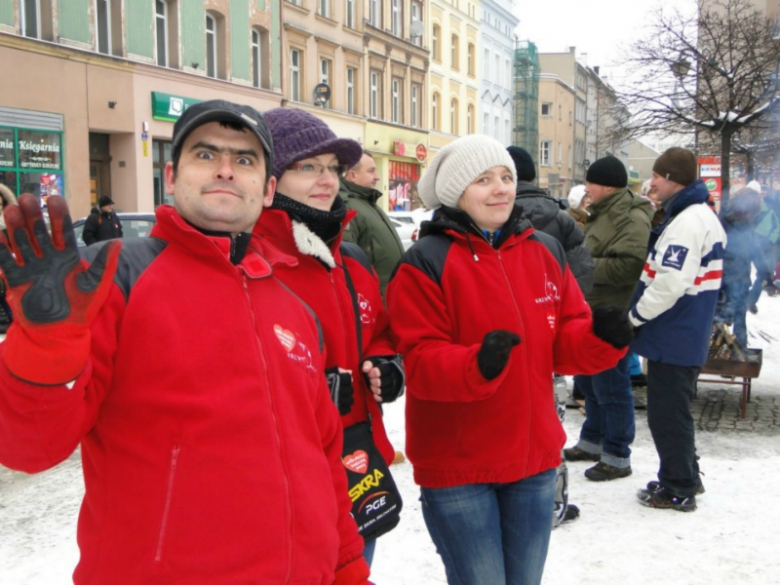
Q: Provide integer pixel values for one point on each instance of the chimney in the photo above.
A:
(596, 69)
(572, 49)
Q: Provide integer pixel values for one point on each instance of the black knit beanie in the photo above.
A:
(607, 171)
(524, 164)
(676, 164)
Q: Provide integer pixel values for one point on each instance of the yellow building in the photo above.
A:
(556, 135)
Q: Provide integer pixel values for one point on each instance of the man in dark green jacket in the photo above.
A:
(616, 232)
(371, 228)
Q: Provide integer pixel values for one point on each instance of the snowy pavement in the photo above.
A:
(731, 538)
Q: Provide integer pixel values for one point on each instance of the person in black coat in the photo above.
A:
(102, 223)
(549, 215)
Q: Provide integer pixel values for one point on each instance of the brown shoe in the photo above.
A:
(606, 472)
(399, 458)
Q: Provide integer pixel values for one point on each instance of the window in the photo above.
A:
(454, 116)
(416, 114)
(350, 14)
(103, 26)
(546, 109)
(397, 23)
(397, 111)
(323, 7)
(417, 17)
(544, 153)
(486, 63)
(375, 95)
(161, 32)
(435, 43)
(435, 125)
(325, 66)
(375, 13)
(351, 73)
(30, 18)
(295, 74)
(507, 133)
(560, 112)
(498, 69)
(470, 119)
(470, 57)
(260, 52)
(560, 154)
(211, 46)
(508, 70)
(454, 55)
(496, 128)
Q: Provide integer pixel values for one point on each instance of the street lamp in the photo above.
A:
(681, 67)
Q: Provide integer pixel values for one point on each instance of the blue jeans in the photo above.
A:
(492, 533)
(368, 551)
(609, 414)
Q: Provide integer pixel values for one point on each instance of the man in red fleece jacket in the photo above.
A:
(211, 454)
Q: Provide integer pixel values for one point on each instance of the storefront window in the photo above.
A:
(403, 179)
(31, 161)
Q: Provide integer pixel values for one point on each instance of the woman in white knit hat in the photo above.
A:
(484, 310)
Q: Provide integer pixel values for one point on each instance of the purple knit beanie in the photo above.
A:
(297, 135)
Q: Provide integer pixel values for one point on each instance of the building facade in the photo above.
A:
(497, 44)
(555, 168)
(121, 73)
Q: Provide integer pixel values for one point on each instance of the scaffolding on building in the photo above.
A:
(526, 82)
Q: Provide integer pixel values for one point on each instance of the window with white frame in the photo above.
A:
(396, 92)
(416, 93)
(454, 116)
(323, 7)
(417, 17)
(486, 63)
(375, 13)
(211, 46)
(544, 153)
(435, 43)
(498, 69)
(470, 119)
(508, 71)
(507, 132)
(161, 31)
(30, 18)
(486, 124)
(435, 112)
(255, 58)
(470, 59)
(560, 154)
(295, 74)
(454, 53)
(103, 26)
(350, 13)
(325, 67)
(397, 22)
(351, 75)
(497, 128)
(375, 94)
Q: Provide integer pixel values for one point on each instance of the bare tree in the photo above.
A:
(714, 73)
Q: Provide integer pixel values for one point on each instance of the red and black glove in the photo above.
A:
(53, 293)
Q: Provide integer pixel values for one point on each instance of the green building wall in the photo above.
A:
(240, 40)
(7, 12)
(74, 18)
(193, 33)
(139, 28)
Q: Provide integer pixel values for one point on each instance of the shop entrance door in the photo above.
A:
(99, 167)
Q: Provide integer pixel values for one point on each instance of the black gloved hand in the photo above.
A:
(341, 390)
(391, 376)
(494, 353)
(611, 324)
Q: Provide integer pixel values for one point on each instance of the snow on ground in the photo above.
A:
(731, 538)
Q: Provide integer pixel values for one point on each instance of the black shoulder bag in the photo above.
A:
(376, 501)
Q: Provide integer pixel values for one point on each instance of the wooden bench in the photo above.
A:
(732, 370)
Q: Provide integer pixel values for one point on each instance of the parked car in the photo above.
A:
(405, 231)
(134, 225)
(416, 217)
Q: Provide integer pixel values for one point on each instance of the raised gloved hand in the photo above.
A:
(385, 377)
(341, 390)
(53, 293)
(494, 353)
(611, 324)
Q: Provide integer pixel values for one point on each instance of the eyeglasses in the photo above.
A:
(315, 170)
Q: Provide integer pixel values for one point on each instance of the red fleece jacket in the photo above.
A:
(325, 290)
(449, 291)
(210, 445)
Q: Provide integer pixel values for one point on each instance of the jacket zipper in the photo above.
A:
(288, 499)
(167, 507)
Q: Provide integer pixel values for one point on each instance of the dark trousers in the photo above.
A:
(670, 392)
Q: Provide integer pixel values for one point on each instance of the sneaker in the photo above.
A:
(577, 454)
(653, 486)
(606, 472)
(664, 499)
(572, 513)
(753, 309)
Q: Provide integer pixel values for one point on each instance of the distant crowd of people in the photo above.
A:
(254, 449)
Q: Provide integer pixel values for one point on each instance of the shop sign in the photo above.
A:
(39, 150)
(399, 148)
(169, 107)
(421, 152)
(7, 158)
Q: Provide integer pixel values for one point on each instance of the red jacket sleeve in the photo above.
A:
(41, 426)
(438, 369)
(577, 349)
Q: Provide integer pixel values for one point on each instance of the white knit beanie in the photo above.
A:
(575, 196)
(457, 165)
(754, 185)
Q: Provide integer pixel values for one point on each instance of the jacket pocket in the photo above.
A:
(167, 505)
